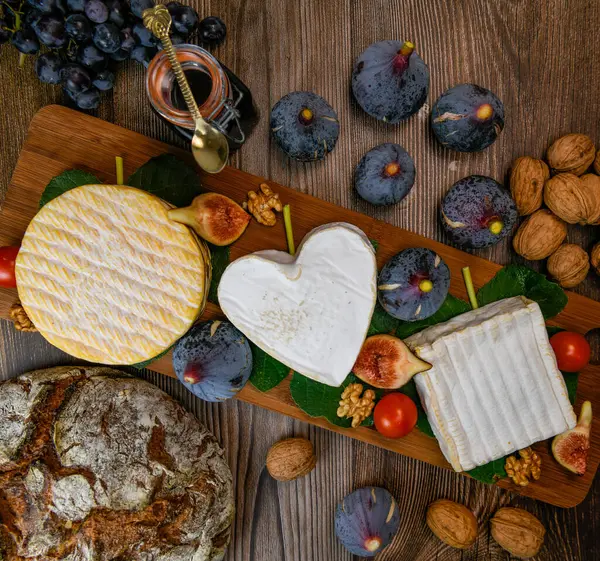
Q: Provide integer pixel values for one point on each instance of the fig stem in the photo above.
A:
(407, 48)
(484, 112)
(306, 116)
(466, 271)
(182, 215)
(425, 285)
(119, 165)
(392, 169)
(496, 226)
(373, 543)
(289, 233)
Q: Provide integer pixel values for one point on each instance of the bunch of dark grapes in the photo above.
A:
(79, 42)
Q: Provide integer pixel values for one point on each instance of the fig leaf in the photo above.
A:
(267, 372)
(382, 322)
(320, 400)
(219, 256)
(451, 307)
(169, 178)
(65, 182)
(517, 280)
(490, 472)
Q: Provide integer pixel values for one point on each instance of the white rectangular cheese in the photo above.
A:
(494, 387)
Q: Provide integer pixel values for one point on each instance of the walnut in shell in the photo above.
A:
(518, 531)
(573, 153)
(595, 257)
(597, 162)
(291, 458)
(527, 179)
(563, 195)
(452, 523)
(569, 265)
(540, 235)
(591, 194)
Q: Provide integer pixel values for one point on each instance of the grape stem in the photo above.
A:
(470, 288)
(119, 166)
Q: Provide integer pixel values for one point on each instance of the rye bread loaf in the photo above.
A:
(96, 465)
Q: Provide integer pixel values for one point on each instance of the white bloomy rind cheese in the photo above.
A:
(494, 387)
(105, 276)
(311, 312)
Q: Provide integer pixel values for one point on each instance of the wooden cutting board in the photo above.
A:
(60, 139)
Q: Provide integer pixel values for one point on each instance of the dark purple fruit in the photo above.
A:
(89, 99)
(478, 212)
(138, 6)
(79, 28)
(304, 126)
(107, 37)
(75, 6)
(45, 6)
(25, 41)
(390, 81)
(185, 19)
(212, 30)
(96, 11)
(117, 12)
(144, 35)
(142, 54)
(467, 118)
(47, 68)
(213, 360)
(92, 57)
(50, 30)
(385, 175)
(367, 520)
(413, 284)
(104, 80)
(75, 78)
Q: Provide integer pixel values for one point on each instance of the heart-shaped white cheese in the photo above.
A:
(311, 312)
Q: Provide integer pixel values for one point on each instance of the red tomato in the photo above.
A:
(8, 254)
(395, 415)
(572, 351)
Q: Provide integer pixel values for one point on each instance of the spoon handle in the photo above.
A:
(158, 21)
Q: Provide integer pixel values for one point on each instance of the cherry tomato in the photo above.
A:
(572, 351)
(8, 255)
(395, 415)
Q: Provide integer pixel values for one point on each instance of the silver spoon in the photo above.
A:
(209, 146)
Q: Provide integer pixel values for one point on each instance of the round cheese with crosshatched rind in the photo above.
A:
(105, 276)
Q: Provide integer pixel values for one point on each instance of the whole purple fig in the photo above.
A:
(367, 520)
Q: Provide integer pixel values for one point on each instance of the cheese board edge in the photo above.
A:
(276, 399)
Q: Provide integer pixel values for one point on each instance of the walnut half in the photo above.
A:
(355, 406)
(262, 204)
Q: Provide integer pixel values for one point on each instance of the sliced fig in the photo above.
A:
(214, 217)
(386, 362)
(570, 449)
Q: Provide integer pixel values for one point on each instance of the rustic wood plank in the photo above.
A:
(539, 55)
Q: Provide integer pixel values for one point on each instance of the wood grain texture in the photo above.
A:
(539, 56)
(60, 139)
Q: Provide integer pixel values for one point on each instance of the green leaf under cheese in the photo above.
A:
(451, 307)
(382, 322)
(321, 400)
(518, 280)
(169, 178)
(267, 372)
(219, 257)
(490, 472)
(65, 182)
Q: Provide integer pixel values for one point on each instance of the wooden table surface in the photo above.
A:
(540, 57)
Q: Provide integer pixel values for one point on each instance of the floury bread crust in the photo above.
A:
(96, 465)
(105, 275)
